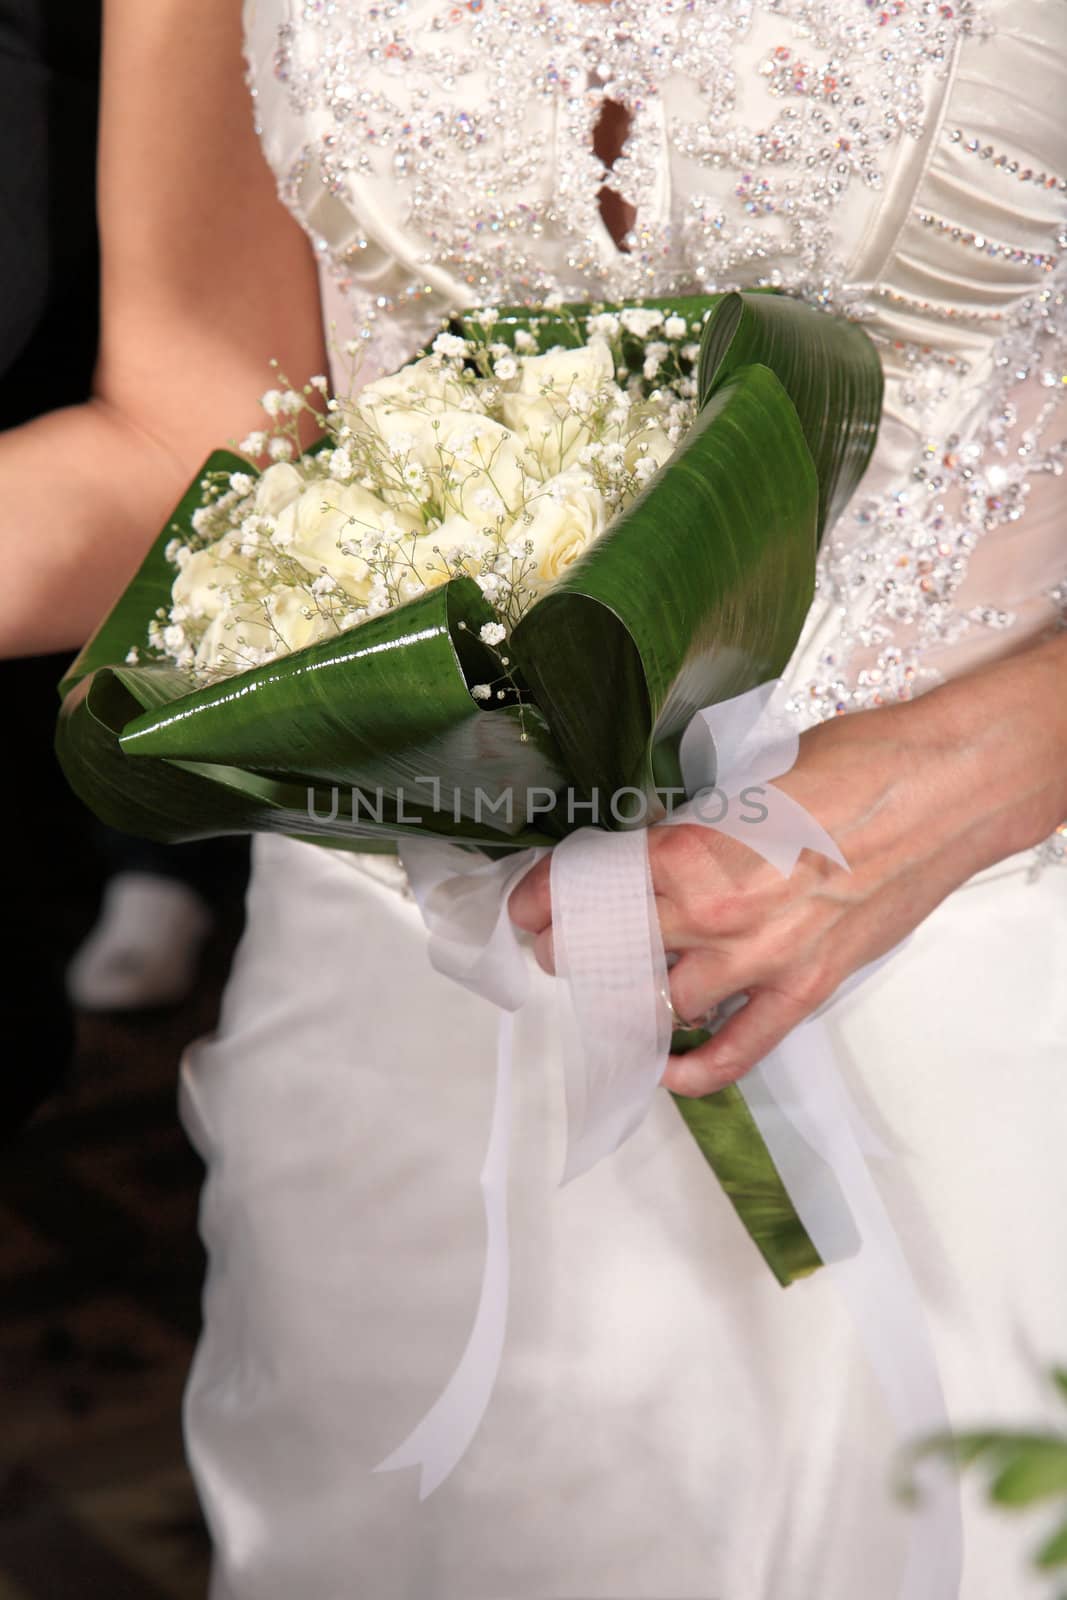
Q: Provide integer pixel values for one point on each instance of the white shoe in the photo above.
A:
(144, 948)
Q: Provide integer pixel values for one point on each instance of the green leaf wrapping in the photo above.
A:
(696, 593)
(655, 622)
(829, 369)
(733, 1147)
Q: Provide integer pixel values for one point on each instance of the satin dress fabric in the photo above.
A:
(668, 1424)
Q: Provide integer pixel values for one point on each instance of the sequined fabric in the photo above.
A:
(902, 162)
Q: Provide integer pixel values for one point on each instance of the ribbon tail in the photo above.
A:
(612, 971)
(440, 1440)
(803, 1112)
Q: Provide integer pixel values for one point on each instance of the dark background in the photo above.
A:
(100, 1265)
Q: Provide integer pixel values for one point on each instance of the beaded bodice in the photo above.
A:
(902, 161)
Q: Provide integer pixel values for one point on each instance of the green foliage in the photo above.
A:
(1024, 1470)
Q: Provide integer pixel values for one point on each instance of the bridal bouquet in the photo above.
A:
(486, 604)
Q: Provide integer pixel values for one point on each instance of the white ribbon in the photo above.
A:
(611, 967)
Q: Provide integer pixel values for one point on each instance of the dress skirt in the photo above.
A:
(668, 1423)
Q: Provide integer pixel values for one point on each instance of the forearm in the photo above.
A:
(84, 492)
(1005, 728)
(953, 781)
(205, 279)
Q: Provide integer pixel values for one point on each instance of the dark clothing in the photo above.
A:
(53, 855)
(48, 331)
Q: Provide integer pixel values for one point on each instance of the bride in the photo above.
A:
(667, 1422)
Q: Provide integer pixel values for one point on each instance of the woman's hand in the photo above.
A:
(918, 797)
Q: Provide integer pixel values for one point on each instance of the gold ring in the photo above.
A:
(707, 1021)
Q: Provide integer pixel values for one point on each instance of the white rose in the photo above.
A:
(553, 433)
(465, 457)
(236, 638)
(650, 444)
(588, 367)
(434, 557)
(277, 487)
(460, 453)
(211, 580)
(328, 515)
(567, 515)
(297, 619)
(426, 382)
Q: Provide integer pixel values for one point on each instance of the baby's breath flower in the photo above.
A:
(605, 324)
(450, 344)
(492, 633)
(133, 655)
(242, 483)
(525, 341)
(506, 367)
(319, 382)
(281, 449)
(675, 328)
(254, 444)
(488, 316)
(272, 402)
(641, 320)
(482, 691)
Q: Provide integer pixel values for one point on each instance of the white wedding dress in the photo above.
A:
(667, 1424)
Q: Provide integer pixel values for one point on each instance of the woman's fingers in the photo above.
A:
(700, 979)
(751, 1033)
(544, 951)
(529, 904)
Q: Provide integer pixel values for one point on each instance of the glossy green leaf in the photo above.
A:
(828, 367)
(383, 709)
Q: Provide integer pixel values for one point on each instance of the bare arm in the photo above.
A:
(205, 277)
